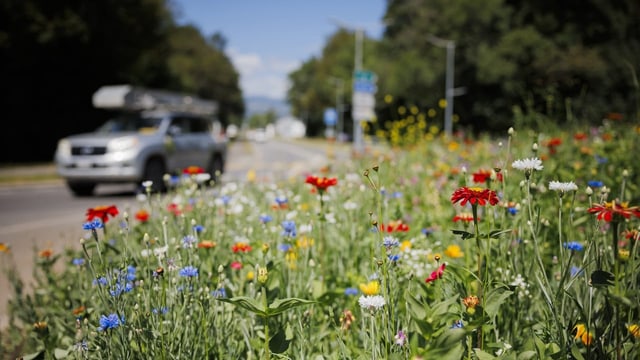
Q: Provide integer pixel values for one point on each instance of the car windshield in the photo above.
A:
(130, 123)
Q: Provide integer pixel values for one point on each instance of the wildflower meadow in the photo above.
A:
(519, 246)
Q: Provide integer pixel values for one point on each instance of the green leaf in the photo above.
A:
(527, 355)
(61, 353)
(415, 307)
(496, 233)
(576, 352)
(247, 303)
(495, 298)
(482, 355)
(281, 305)
(601, 278)
(463, 234)
(279, 343)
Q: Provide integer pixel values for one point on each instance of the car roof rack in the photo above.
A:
(134, 98)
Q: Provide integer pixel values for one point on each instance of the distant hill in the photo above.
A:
(261, 104)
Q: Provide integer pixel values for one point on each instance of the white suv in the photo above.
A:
(137, 146)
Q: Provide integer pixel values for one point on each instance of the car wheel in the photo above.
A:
(216, 167)
(81, 189)
(155, 170)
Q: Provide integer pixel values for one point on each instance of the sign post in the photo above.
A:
(364, 89)
(330, 120)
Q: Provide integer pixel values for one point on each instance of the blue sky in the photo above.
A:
(267, 39)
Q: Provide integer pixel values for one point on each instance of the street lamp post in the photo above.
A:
(449, 91)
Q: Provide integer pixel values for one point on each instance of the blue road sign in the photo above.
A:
(330, 117)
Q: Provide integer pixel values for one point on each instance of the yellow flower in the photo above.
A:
(405, 245)
(454, 251)
(581, 333)
(634, 329)
(4, 248)
(250, 275)
(304, 242)
(372, 288)
(623, 254)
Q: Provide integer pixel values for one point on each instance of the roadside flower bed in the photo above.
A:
(492, 248)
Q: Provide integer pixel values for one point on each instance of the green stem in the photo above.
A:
(267, 351)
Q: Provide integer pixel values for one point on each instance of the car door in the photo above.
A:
(182, 144)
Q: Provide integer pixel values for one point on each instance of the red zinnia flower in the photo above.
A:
(241, 247)
(102, 213)
(465, 216)
(580, 136)
(608, 210)
(437, 274)
(393, 226)
(321, 183)
(206, 244)
(474, 196)
(192, 170)
(481, 176)
(142, 215)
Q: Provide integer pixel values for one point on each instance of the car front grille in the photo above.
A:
(88, 150)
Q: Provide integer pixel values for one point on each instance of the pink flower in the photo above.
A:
(437, 274)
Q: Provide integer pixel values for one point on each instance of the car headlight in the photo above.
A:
(64, 147)
(122, 144)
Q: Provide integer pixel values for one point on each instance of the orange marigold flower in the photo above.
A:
(4, 248)
(102, 213)
(614, 210)
(474, 196)
(241, 247)
(206, 244)
(632, 234)
(634, 329)
(193, 170)
(581, 333)
(79, 310)
(46, 253)
(346, 319)
(470, 302)
(321, 183)
(142, 215)
(465, 216)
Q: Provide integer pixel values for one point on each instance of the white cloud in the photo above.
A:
(263, 76)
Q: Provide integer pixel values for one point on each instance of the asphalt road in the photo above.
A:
(44, 215)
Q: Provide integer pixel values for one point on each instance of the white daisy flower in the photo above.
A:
(528, 164)
(562, 186)
(371, 302)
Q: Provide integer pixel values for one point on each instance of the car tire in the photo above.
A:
(81, 189)
(155, 170)
(216, 167)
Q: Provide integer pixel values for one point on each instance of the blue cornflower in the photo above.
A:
(573, 246)
(601, 159)
(394, 258)
(188, 241)
(111, 321)
(289, 228)
(188, 271)
(265, 218)
(219, 293)
(575, 271)
(225, 199)
(512, 210)
(390, 242)
(93, 224)
(595, 184)
(350, 291)
(284, 247)
(458, 324)
(428, 231)
(281, 200)
(163, 310)
(78, 261)
(101, 281)
(131, 273)
(198, 228)
(396, 195)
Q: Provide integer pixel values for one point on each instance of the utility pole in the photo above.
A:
(449, 91)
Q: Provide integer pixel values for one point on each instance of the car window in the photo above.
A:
(129, 123)
(199, 125)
